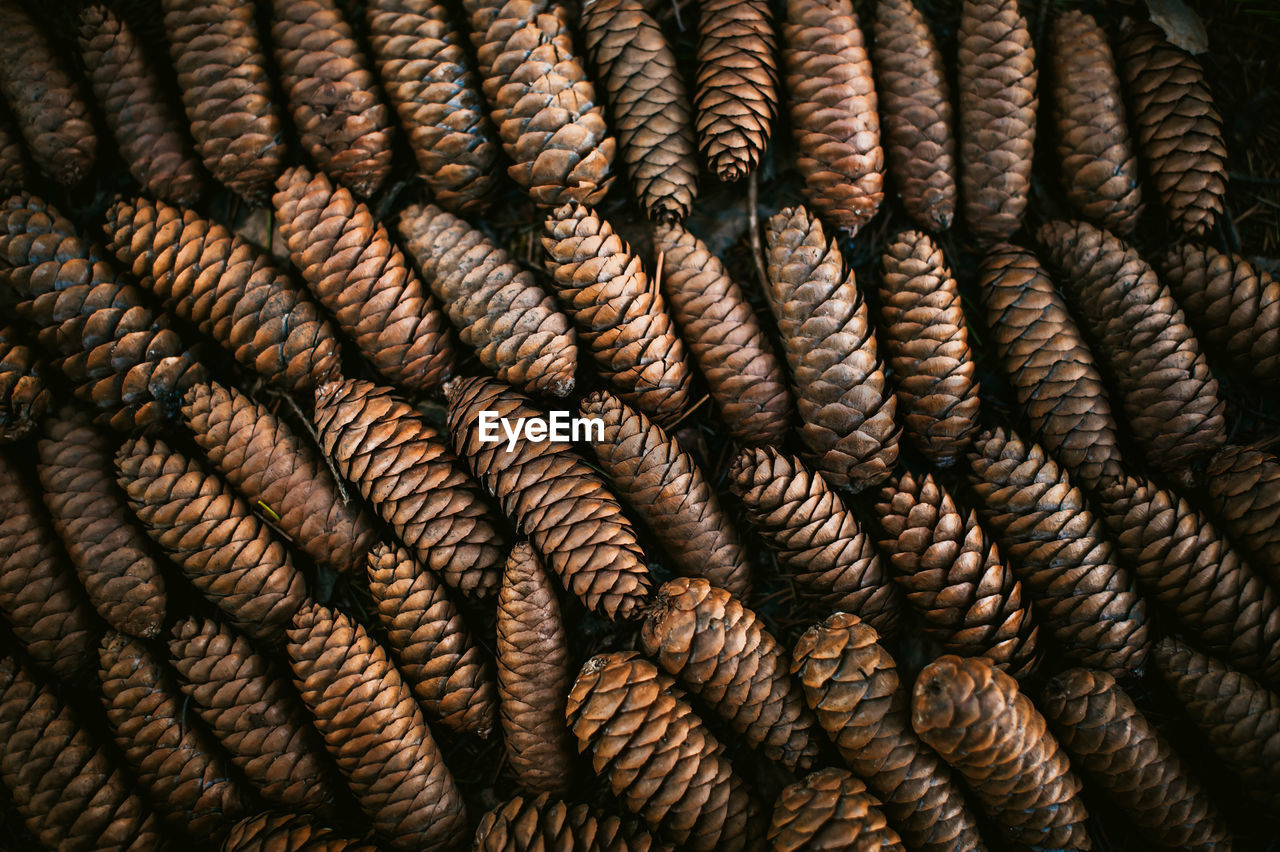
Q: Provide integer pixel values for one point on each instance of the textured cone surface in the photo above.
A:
(24, 397)
(13, 171)
(851, 683)
(1243, 487)
(375, 731)
(830, 809)
(975, 718)
(279, 832)
(845, 410)
(279, 472)
(915, 106)
(735, 94)
(499, 309)
(1049, 365)
(720, 650)
(553, 497)
(1115, 746)
(523, 824)
(405, 469)
(429, 80)
(659, 758)
(814, 537)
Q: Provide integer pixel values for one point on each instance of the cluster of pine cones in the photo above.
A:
(264, 584)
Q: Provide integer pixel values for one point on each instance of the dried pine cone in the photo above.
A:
(287, 833)
(1243, 487)
(830, 809)
(973, 715)
(522, 824)
(13, 170)
(24, 398)
(404, 468)
(736, 86)
(837, 376)
(499, 309)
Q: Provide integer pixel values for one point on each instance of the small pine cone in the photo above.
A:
(287, 833)
(352, 266)
(428, 79)
(1179, 128)
(553, 497)
(839, 383)
(1086, 601)
(539, 824)
(219, 282)
(177, 764)
(834, 121)
(146, 129)
(13, 170)
(226, 552)
(262, 457)
(1110, 740)
(620, 316)
(997, 79)
(831, 809)
(722, 653)
(659, 758)
(499, 308)
(816, 540)
(954, 576)
(1049, 365)
(974, 716)
(1243, 487)
(736, 86)
(375, 731)
(915, 106)
(226, 91)
(405, 469)
(24, 397)
(852, 685)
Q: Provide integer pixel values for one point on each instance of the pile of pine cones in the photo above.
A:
(842, 567)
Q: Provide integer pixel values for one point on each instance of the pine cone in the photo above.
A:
(262, 457)
(915, 106)
(404, 468)
(852, 685)
(736, 86)
(1123, 753)
(554, 498)
(226, 91)
(831, 809)
(287, 833)
(1087, 603)
(428, 78)
(619, 315)
(637, 70)
(24, 398)
(375, 731)
(222, 547)
(833, 111)
(837, 376)
(127, 87)
(523, 824)
(975, 717)
(997, 79)
(1049, 366)
(1179, 128)
(13, 170)
(954, 576)
(499, 309)
(1243, 488)
(659, 758)
(815, 539)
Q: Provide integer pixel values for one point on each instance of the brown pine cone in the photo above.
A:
(915, 106)
(352, 266)
(1123, 753)
(834, 121)
(1086, 601)
(540, 824)
(659, 758)
(13, 170)
(428, 78)
(553, 497)
(222, 547)
(846, 414)
(220, 283)
(262, 457)
(404, 468)
(499, 308)
(831, 809)
(997, 79)
(648, 102)
(24, 397)
(620, 316)
(127, 87)
(287, 833)
(722, 653)
(1179, 128)
(815, 539)
(375, 731)
(1243, 487)
(1049, 366)
(973, 715)
(226, 91)
(851, 683)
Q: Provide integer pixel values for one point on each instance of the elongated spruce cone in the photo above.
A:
(24, 397)
(522, 824)
(279, 832)
(735, 94)
(1243, 487)
(13, 169)
(831, 809)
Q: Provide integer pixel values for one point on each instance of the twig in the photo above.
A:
(753, 223)
(657, 276)
(315, 437)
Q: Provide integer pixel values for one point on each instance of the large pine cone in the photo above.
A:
(831, 809)
(523, 824)
(24, 397)
(13, 170)
(287, 833)
(1243, 487)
